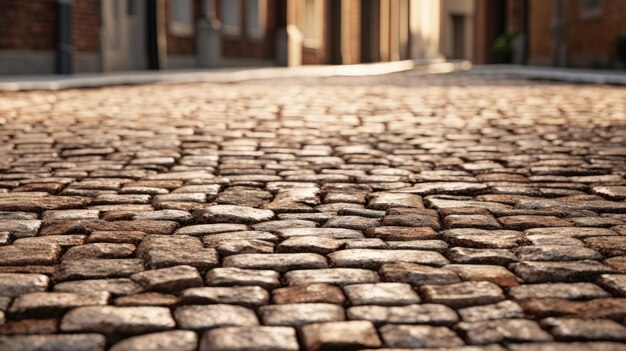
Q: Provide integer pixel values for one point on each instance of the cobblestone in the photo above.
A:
(405, 211)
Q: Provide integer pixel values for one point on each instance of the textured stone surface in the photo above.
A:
(125, 320)
(350, 335)
(249, 338)
(182, 340)
(214, 316)
(419, 336)
(398, 212)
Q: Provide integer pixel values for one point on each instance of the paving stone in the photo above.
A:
(494, 274)
(573, 346)
(116, 286)
(610, 192)
(250, 338)
(334, 276)
(543, 272)
(352, 222)
(160, 251)
(175, 340)
(615, 283)
(348, 335)
(169, 279)
(230, 276)
(29, 254)
(409, 314)
(130, 237)
(232, 214)
(20, 228)
(426, 245)
(464, 255)
(608, 246)
(29, 326)
(416, 274)
(394, 233)
(556, 253)
(462, 294)
(40, 204)
(99, 250)
(471, 221)
(601, 308)
(411, 220)
(501, 310)
(64, 241)
(372, 259)
(570, 291)
(272, 226)
(553, 240)
(207, 229)
(383, 294)
(319, 245)
(54, 303)
(385, 201)
(585, 329)
(66, 342)
(593, 205)
(234, 247)
(109, 319)
(95, 269)
(279, 262)
(483, 239)
(456, 188)
(528, 222)
(214, 316)
(297, 315)
(147, 299)
(218, 239)
(511, 330)
(333, 233)
(248, 296)
(15, 284)
(575, 232)
(311, 293)
(419, 336)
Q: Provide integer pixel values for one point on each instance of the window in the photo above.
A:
(181, 17)
(590, 9)
(229, 13)
(312, 22)
(255, 18)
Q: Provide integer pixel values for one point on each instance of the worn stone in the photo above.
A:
(463, 294)
(214, 316)
(175, 340)
(250, 338)
(109, 319)
(348, 335)
(419, 336)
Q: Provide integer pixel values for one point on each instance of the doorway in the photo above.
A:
(124, 35)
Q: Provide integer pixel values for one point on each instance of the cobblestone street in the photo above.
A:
(405, 211)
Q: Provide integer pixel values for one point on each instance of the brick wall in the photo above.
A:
(86, 25)
(539, 16)
(28, 25)
(182, 45)
(243, 46)
(589, 41)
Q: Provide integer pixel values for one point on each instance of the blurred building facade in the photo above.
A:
(565, 33)
(65, 36)
(74, 36)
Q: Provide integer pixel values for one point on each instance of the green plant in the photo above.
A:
(503, 47)
(620, 49)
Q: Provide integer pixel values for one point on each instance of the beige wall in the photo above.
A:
(457, 7)
(425, 26)
(432, 34)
